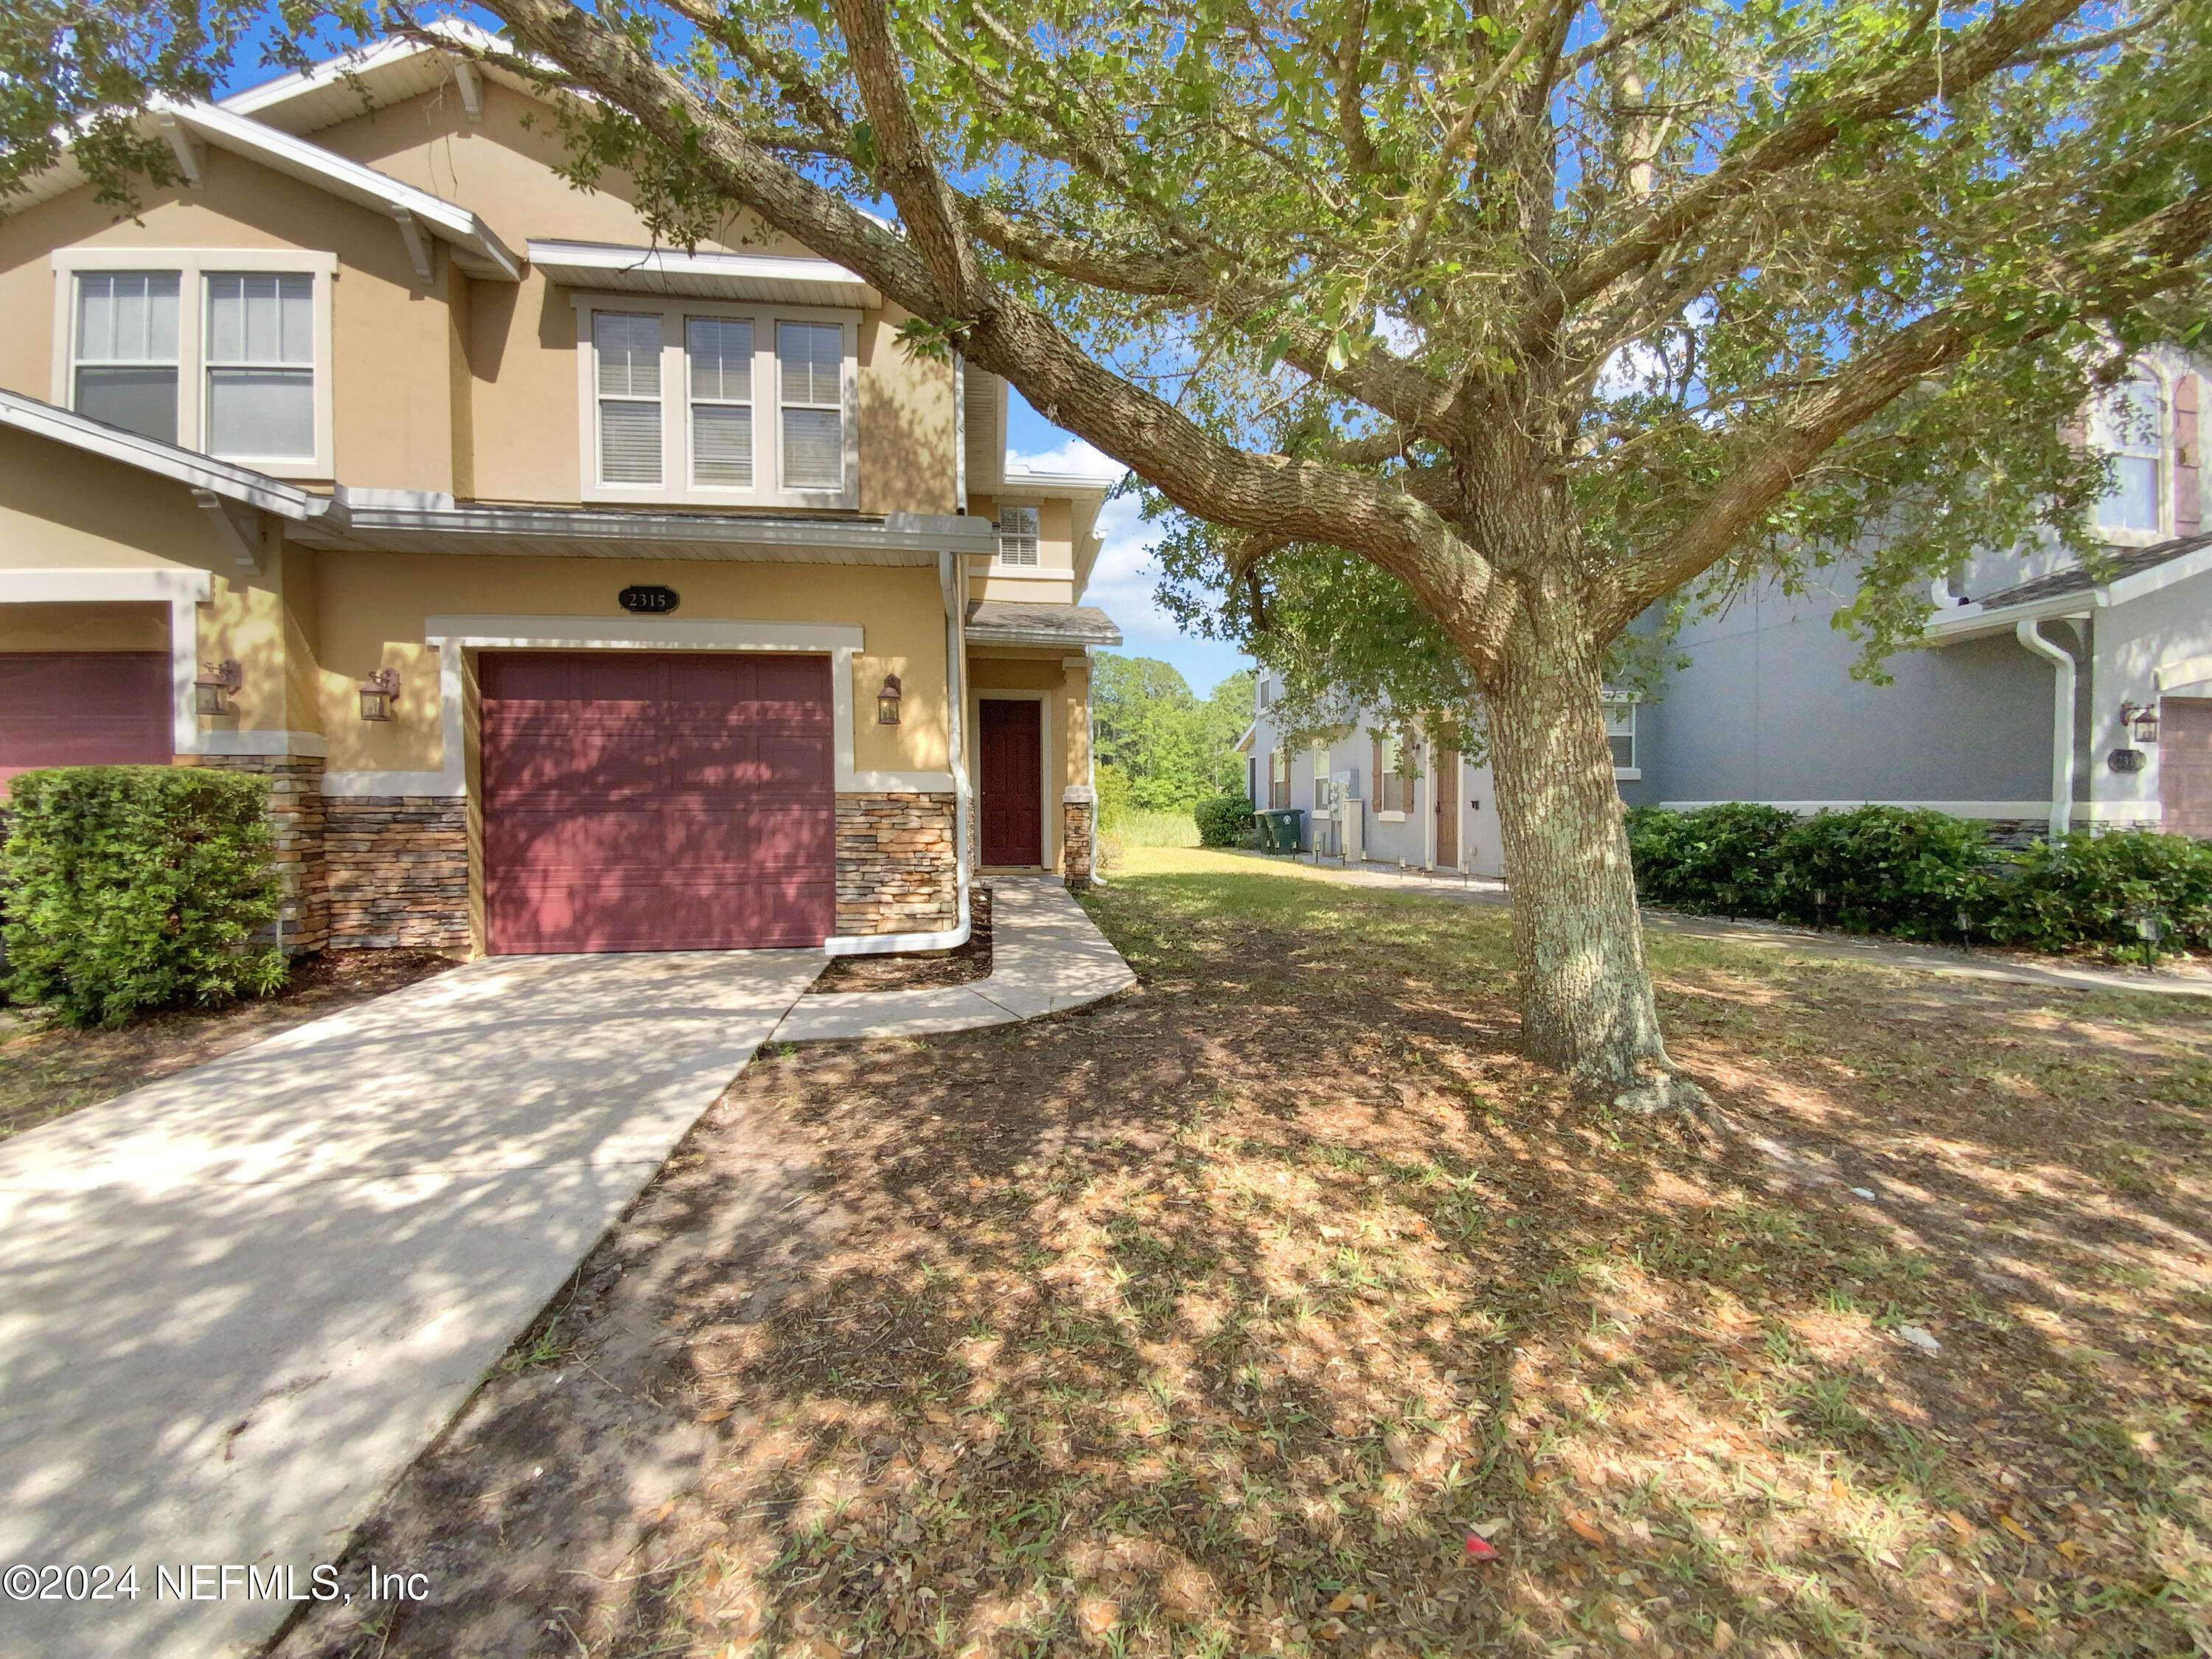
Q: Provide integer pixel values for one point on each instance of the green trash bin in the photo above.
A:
(1281, 828)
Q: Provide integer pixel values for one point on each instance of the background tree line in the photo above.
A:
(1161, 747)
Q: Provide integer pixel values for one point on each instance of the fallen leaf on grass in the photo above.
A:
(1584, 1529)
(2016, 1529)
(715, 1415)
(2069, 1549)
(1489, 1529)
(1959, 1524)
(1723, 1636)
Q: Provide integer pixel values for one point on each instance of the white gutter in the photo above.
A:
(2062, 723)
(879, 944)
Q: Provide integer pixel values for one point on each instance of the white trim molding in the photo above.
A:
(194, 265)
(2188, 671)
(1957, 808)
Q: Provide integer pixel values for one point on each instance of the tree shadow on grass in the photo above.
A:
(1213, 1319)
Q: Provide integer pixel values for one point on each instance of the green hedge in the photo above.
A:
(1223, 821)
(1922, 874)
(136, 887)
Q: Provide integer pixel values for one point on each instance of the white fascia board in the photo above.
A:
(237, 483)
(283, 152)
(1971, 622)
(2146, 582)
(1057, 485)
(347, 66)
(788, 279)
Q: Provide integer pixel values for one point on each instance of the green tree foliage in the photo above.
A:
(1160, 748)
(137, 887)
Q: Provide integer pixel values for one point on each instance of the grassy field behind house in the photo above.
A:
(1215, 1320)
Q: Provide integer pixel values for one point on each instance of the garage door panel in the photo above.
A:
(84, 709)
(658, 801)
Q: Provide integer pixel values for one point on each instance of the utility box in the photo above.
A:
(1351, 829)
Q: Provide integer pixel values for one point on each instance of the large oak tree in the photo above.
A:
(1468, 331)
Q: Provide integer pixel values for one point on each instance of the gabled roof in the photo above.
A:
(2130, 562)
(233, 483)
(2126, 575)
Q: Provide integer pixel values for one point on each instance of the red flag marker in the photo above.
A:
(1478, 1549)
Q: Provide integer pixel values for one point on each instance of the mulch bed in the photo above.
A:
(917, 971)
(1218, 1318)
(47, 1072)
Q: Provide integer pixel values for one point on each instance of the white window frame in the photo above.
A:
(1001, 565)
(2161, 457)
(1634, 772)
(193, 266)
(676, 487)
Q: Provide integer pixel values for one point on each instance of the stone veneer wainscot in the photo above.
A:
(895, 863)
(397, 869)
(296, 820)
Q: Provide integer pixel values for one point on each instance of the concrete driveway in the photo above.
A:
(235, 1304)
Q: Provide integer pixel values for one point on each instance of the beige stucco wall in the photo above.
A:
(373, 607)
(82, 627)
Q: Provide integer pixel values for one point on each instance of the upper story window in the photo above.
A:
(226, 351)
(1018, 535)
(261, 366)
(2129, 425)
(674, 404)
(125, 368)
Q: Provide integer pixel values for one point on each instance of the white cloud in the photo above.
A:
(1086, 459)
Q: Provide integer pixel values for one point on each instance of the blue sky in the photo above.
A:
(1124, 577)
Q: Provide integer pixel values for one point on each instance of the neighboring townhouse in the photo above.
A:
(574, 594)
(2047, 697)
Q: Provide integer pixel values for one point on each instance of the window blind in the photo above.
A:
(719, 353)
(627, 349)
(260, 365)
(811, 364)
(1018, 535)
(125, 372)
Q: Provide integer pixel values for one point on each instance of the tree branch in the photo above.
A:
(2156, 253)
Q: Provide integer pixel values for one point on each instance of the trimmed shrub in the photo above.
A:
(1223, 821)
(2090, 890)
(1713, 860)
(1895, 870)
(136, 887)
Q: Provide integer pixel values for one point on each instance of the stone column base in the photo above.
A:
(1078, 836)
(295, 817)
(398, 870)
(895, 863)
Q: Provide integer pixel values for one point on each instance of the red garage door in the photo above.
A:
(84, 709)
(657, 801)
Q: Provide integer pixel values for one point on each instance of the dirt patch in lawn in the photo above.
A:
(47, 1072)
(1221, 1317)
(920, 969)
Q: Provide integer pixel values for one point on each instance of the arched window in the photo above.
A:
(2131, 427)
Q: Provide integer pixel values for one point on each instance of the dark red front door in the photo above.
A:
(1013, 780)
(657, 801)
(84, 709)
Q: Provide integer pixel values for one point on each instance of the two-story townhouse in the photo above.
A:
(575, 594)
(2046, 697)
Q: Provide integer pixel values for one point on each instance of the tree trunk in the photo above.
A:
(1586, 1003)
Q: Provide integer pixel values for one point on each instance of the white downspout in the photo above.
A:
(2061, 724)
(956, 696)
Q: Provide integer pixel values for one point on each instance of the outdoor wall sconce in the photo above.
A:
(887, 701)
(378, 693)
(217, 682)
(2144, 720)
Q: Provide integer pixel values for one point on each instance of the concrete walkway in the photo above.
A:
(1046, 955)
(235, 1304)
(1780, 936)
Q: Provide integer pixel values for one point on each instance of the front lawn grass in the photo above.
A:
(1215, 1320)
